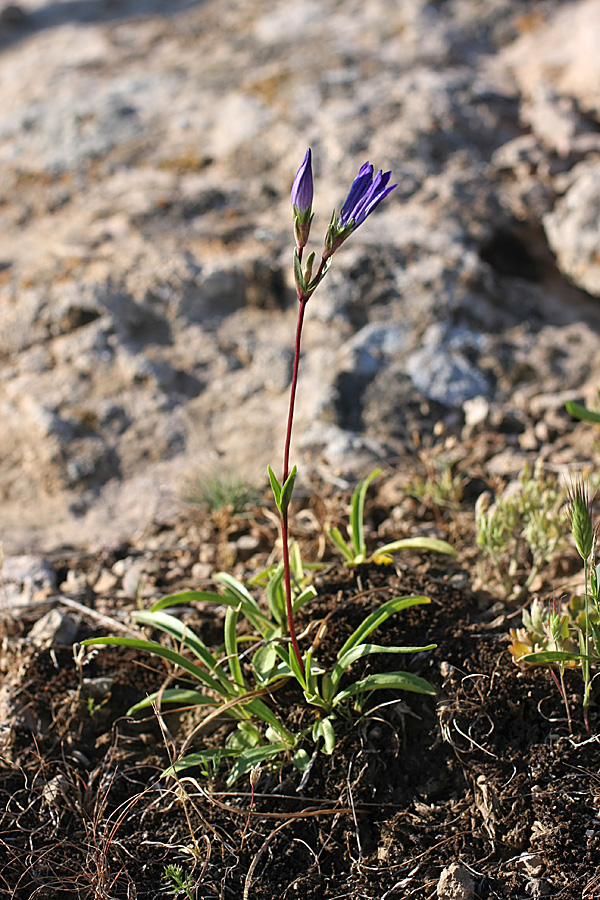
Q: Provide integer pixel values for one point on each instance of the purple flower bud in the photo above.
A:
(364, 196)
(302, 188)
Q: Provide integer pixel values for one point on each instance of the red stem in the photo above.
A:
(302, 301)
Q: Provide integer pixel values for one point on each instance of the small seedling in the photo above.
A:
(218, 489)
(179, 882)
(354, 550)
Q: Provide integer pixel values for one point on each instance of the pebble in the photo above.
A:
(455, 883)
(26, 578)
(55, 627)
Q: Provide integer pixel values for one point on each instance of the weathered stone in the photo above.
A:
(53, 628)
(455, 883)
(147, 302)
(26, 578)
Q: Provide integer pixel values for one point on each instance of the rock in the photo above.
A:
(147, 300)
(455, 883)
(53, 628)
(561, 52)
(441, 369)
(246, 546)
(136, 575)
(26, 578)
(573, 229)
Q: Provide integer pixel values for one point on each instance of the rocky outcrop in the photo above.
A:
(146, 299)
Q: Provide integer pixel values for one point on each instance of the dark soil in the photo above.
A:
(488, 775)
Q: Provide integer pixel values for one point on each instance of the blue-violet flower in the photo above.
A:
(302, 198)
(364, 196)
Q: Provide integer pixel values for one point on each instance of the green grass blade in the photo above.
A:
(289, 658)
(378, 617)
(236, 594)
(181, 696)
(356, 653)
(399, 681)
(418, 543)
(296, 567)
(164, 653)
(236, 587)
(357, 512)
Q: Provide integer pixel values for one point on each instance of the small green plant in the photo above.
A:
(568, 634)
(178, 881)
(218, 489)
(521, 530)
(354, 550)
(440, 487)
(232, 683)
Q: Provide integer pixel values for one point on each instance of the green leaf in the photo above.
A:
(275, 486)
(264, 662)
(260, 709)
(180, 696)
(309, 593)
(288, 489)
(239, 596)
(237, 593)
(275, 595)
(399, 681)
(357, 511)
(164, 653)
(543, 657)
(186, 597)
(351, 656)
(323, 728)
(335, 536)
(251, 758)
(231, 647)
(296, 567)
(170, 625)
(289, 658)
(301, 760)
(246, 735)
(418, 543)
(378, 617)
(202, 759)
(581, 412)
(236, 587)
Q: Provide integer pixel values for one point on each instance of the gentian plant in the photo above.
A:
(240, 679)
(364, 196)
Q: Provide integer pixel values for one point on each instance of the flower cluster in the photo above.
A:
(364, 196)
